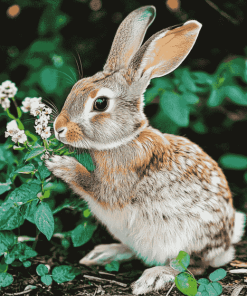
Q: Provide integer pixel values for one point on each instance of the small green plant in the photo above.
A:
(60, 274)
(30, 200)
(186, 282)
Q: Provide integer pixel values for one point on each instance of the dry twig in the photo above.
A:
(94, 278)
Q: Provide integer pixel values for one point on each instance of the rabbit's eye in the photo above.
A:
(101, 104)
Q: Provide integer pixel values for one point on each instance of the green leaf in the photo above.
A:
(186, 284)
(42, 269)
(29, 210)
(35, 152)
(27, 169)
(48, 79)
(216, 97)
(86, 213)
(10, 218)
(233, 161)
(24, 193)
(181, 262)
(236, 94)
(7, 240)
(23, 252)
(187, 80)
(44, 172)
(202, 78)
(214, 289)
(202, 288)
(44, 220)
(86, 160)
(113, 266)
(26, 264)
(176, 107)
(217, 275)
(82, 234)
(10, 258)
(64, 273)
(3, 266)
(234, 67)
(190, 98)
(203, 281)
(46, 279)
(200, 127)
(6, 279)
(42, 46)
(5, 187)
(16, 264)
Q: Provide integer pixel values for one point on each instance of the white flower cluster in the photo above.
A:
(7, 90)
(16, 134)
(36, 108)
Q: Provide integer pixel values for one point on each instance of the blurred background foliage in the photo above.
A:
(47, 45)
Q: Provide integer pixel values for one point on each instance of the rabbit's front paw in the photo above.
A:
(62, 166)
(154, 279)
(104, 254)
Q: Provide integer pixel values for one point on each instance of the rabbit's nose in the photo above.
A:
(62, 131)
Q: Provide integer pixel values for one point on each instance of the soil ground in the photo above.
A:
(111, 283)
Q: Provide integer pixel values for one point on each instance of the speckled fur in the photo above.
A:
(156, 193)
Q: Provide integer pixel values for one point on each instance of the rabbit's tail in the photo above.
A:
(238, 231)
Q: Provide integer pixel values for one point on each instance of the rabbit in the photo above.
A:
(157, 194)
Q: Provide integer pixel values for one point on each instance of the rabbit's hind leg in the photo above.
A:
(104, 254)
(223, 258)
(154, 279)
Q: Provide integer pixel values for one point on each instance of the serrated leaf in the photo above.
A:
(64, 273)
(214, 289)
(42, 269)
(233, 161)
(44, 220)
(26, 264)
(82, 234)
(27, 169)
(181, 262)
(35, 152)
(6, 279)
(186, 284)
(113, 266)
(44, 172)
(217, 275)
(175, 107)
(46, 279)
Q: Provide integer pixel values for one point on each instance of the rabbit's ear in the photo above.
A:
(164, 51)
(128, 38)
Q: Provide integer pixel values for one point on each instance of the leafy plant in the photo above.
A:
(186, 282)
(30, 200)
